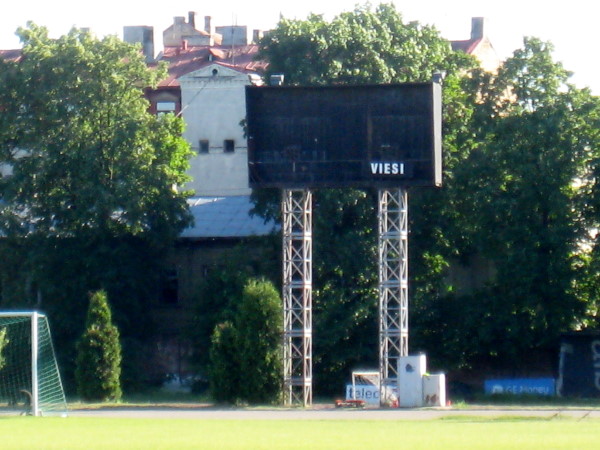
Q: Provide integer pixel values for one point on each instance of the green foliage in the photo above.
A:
(90, 195)
(361, 46)
(220, 293)
(246, 359)
(86, 155)
(98, 361)
(521, 200)
(259, 332)
(224, 371)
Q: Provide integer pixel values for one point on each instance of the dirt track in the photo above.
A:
(326, 413)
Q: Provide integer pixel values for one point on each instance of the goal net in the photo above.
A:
(29, 377)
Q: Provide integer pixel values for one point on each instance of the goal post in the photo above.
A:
(30, 380)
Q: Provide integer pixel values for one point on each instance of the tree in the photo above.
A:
(259, 332)
(86, 156)
(88, 192)
(99, 354)
(246, 359)
(362, 46)
(522, 201)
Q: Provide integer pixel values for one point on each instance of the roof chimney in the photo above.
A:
(477, 28)
(208, 25)
(257, 35)
(143, 35)
(192, 19)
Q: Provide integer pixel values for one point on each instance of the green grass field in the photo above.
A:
(456, 433)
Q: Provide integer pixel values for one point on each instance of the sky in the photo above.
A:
(570, 26)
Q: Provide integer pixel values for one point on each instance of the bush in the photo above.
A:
(246, 359)
(98, 363)
(224, 370)
(260, 327)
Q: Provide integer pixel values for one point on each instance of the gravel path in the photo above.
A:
(326, 413)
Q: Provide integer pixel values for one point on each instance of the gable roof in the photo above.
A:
(186, 60)
(467, 46)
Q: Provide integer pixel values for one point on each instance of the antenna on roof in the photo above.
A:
(233, 25)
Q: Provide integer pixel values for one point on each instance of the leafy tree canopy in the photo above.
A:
(523, 200)
(362, 46)
(84, 154)
(87, 192)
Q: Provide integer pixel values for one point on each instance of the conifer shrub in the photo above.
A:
(246, 354)
(98, 362)
(260, 327)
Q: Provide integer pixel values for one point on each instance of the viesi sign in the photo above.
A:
(387, 168)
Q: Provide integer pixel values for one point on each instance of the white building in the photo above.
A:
(208, 73)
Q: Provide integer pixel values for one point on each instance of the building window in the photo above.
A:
(203, 146)
(165, 107)
(170, 288)
(229, 146)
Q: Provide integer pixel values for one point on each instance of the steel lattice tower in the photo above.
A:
(297, 296)
(393, 282)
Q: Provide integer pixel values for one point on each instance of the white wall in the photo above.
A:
(213, 106)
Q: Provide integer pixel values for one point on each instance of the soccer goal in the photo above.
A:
(29, 377)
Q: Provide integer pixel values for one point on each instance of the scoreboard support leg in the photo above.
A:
(393, 284)
(297, 296)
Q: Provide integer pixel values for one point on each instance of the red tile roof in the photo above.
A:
(10, 55)
(183, 61)
(465, 46)
(241, 58)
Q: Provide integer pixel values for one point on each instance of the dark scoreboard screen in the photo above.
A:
(381, 136)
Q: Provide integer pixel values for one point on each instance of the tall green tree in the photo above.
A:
(367, 45)
(98, 369)
(521, 200)
(88, 188)
(85, 155)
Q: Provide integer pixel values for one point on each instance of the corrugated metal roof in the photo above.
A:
(225, 217)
